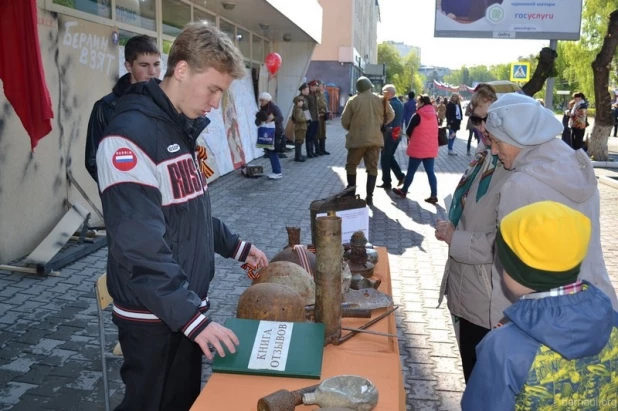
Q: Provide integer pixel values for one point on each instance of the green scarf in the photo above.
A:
(461, 192)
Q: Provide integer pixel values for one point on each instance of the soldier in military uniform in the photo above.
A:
(300, 122)
(323, 114)
(312, 127)
(363, 117)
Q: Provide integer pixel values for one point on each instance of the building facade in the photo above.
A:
(82, 51)
(349, 43)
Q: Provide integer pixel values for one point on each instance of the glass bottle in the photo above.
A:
(346, 391)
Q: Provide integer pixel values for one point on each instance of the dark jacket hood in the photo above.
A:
(574, 325)
(148, 98)
(123, 84)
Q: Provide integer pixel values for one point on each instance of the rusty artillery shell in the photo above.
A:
(328, 297)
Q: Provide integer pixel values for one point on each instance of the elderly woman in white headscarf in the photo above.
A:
(523, 135)
(269, 113)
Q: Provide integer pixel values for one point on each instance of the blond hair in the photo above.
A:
(484, 93)
(203, 47)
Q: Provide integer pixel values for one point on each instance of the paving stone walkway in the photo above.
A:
(49, 354)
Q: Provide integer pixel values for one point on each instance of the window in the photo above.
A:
(199, 15)
(175, 15)
(244, 42)
(228, 29)
(258, 48)
(124, 36)
(99, 8)
(167, 46)
(140, 14)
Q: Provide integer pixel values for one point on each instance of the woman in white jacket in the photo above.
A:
(470, 233)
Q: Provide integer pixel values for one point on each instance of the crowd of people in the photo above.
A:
(525, 276)
(525, 279)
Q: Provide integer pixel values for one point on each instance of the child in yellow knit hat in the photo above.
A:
(560, 345)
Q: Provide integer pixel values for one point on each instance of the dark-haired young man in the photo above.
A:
(143, 62)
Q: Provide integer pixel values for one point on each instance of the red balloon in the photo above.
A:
(273, 62)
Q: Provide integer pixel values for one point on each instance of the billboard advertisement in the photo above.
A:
(509, 19)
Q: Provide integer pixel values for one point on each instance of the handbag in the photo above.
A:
(442, 136)
(266, 136)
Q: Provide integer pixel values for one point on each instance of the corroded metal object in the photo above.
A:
(290, 274)
(372, 256)
(328, 297)
(357, 256)
(346, 276)
(368, 298)
(360, 283)
(284, 400)
(291, 252)
(271, 302)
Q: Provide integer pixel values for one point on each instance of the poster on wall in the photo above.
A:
(232, 133)
(246, 107)
(509, 19)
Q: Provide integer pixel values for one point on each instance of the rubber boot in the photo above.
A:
(298, 152)
(352, 183)
(309, 148)
(323, 147)
(371, 185)
(315, 147)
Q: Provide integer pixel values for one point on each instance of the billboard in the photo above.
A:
(509, 19)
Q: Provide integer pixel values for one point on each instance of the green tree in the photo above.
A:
(597, 147)
(465, 76)
(409, 79)
(500, 71)
(455, 77)
(579, 55)
(401, 72)
(479, 74)
(388, 54)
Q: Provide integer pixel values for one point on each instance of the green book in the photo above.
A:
(274, 348)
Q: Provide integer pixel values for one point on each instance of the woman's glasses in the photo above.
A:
(476, 120)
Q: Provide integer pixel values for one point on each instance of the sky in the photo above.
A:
(412, 22)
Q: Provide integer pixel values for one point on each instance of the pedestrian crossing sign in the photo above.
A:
(520, 71)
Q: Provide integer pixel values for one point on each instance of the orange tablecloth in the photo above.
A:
(373, 357)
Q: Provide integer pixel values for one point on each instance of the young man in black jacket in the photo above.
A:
(143, 62)
(162, 236)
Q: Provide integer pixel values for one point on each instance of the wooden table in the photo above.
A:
(370, 356)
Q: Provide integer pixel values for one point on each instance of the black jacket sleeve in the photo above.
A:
(278, 119)
(228, 245)
(96, 125)
(414, 121)
(136, 228)
(450, 112)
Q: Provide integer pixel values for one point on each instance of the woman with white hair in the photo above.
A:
(523, 135)
(269, 112)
